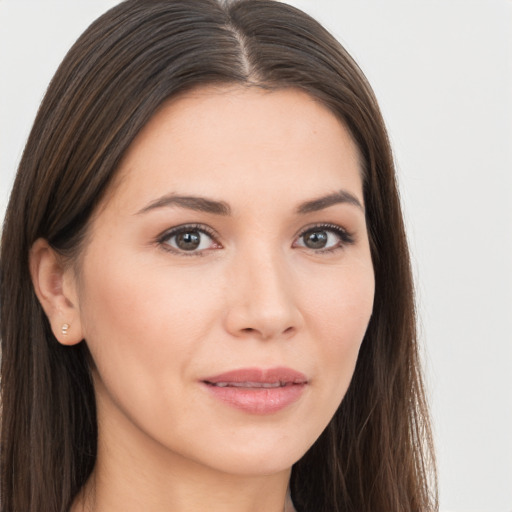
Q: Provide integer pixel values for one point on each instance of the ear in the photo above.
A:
(55, 287)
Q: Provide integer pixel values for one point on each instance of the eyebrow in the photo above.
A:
(200, 204)
(342, 196)
(221, 208)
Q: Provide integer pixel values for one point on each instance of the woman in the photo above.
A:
(205, 286)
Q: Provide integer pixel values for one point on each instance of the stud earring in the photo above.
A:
(65, 329)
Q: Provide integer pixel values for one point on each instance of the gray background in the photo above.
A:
(442, 71)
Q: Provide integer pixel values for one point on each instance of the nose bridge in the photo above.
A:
(262, 299)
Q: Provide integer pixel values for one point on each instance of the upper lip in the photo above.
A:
(254, 377)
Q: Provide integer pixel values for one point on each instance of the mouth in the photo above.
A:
(251, 385)
(257, 391)
(258, 377)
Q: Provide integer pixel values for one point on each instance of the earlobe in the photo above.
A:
(56, 291)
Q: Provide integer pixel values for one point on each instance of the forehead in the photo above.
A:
(215, 136)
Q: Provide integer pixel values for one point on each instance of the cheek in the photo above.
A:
(340, 315)
(146, 316)
(144, 329)
(341, 303)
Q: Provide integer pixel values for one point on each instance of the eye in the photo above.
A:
(324, 238)
(188, 239)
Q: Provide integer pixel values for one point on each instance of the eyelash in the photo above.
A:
(185, 228)
(345, 237)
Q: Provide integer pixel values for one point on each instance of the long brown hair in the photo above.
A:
(376, 453)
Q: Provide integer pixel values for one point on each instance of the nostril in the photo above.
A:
(264, 334)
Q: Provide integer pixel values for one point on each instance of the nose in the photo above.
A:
(262, 302)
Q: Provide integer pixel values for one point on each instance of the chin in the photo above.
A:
(259, 455)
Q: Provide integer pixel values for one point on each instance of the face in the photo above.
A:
(227, 282)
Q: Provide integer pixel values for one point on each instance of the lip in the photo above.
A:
(257, 390)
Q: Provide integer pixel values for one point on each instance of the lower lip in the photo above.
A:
(258, 400)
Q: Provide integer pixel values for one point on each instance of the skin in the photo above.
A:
(159, 319)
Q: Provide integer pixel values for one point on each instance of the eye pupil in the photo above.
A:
(188, 241)
(316, 239)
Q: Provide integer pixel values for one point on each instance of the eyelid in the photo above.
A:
(346, 237)
(161, 239)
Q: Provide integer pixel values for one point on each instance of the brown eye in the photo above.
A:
(324, 238)
(315, 239)
(188, 239)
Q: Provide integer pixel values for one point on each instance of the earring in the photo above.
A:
(65, 329)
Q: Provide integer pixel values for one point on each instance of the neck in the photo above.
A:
(115, 495)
